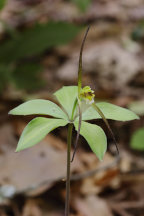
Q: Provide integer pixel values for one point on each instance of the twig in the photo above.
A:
(121, 207)
(107, 124)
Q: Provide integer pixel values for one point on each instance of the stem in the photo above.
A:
(69, 138)
(73, 110)
(80, 63)
(78, 132)
(70, 127)
(107, 124)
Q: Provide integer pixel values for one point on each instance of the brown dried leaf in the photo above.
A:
(105, 177)
(7, 139)
(91, 206)
(34, 170)
(31, 209)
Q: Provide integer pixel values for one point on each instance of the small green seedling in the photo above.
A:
(77, 107)
(137, 140)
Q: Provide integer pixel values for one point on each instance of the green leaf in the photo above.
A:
(110, 111)
(137, 140)
(82, 4)
(95, 137)
(2, 4)
(26, 76)
(5, 75)
(138, 32)
(66, 97)
(36, 130)
(37, 39)
(39, 106)
(137, 107)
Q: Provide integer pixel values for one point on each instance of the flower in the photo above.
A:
(87, 94)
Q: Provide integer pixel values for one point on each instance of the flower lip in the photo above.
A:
(87, 94)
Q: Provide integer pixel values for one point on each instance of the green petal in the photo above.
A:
(95, 137)
(36, 130)
(39, 106)
(66, 97)
(110, 111)
(137, 140)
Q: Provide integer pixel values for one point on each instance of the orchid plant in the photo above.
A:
(77, 106)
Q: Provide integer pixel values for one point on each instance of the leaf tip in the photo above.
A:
(10, 112)
(100, 157)
(17, 150)
(135, 117)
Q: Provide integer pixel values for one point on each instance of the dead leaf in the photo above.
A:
(31, 209)
(99, 180)
(7, 139)
(91, 206)
(33, 170)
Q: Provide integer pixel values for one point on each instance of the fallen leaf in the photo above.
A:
(7, 139)
(91, 206)
(94, 184)
(31, 209)
(33, 170)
